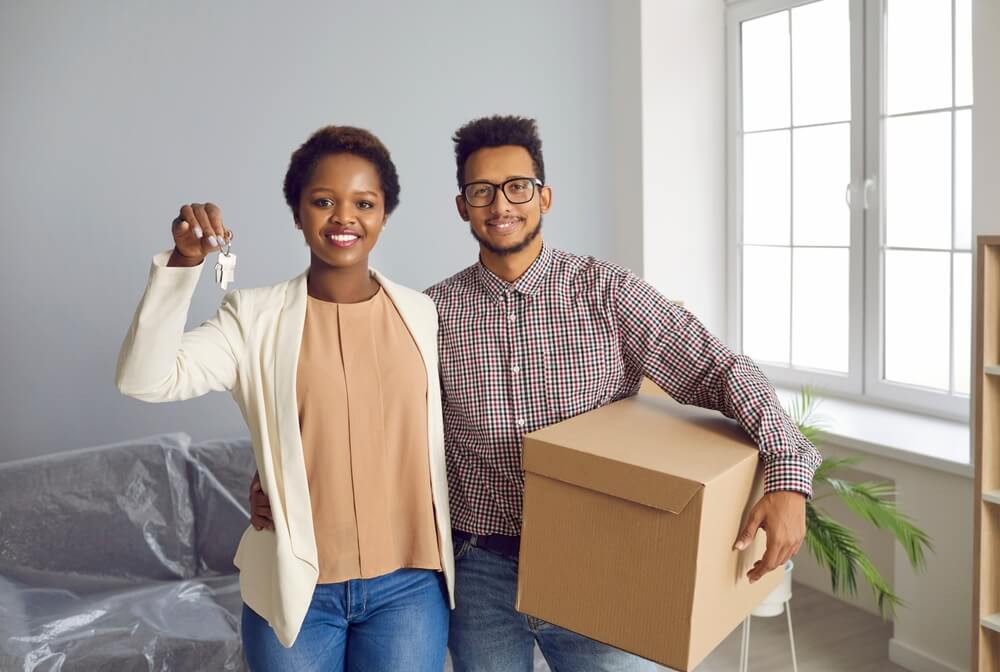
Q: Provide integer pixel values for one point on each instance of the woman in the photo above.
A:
(331, 371)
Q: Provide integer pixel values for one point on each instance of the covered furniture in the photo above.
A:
(119, 557)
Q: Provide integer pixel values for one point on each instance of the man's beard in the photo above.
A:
(513, 249)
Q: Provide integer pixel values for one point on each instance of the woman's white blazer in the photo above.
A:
(251, 349)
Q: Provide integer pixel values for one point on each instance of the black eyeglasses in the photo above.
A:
(517, 190)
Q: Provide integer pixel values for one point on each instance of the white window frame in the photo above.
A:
(865, 330)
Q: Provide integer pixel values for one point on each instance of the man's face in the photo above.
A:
(503, 227)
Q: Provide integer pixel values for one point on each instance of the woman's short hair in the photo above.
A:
(340, 140)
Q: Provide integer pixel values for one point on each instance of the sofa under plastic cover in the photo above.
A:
(119, 558)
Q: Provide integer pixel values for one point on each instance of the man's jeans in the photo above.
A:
(488, 635)
(398, 621)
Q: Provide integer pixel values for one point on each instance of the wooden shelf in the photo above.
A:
(985, 427)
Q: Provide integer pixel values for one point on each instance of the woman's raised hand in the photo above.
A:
(198, 231)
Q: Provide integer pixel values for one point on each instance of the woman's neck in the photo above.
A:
(341, 285)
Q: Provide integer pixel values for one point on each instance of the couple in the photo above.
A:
(387, 425)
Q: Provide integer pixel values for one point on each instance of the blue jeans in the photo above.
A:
(398, 621)
(488, 635)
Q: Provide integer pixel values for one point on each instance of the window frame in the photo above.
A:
(864, 381)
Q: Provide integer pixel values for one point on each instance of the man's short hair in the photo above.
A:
(340, 140)
(498, 131)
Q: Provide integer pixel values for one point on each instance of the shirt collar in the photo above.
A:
(528, 284)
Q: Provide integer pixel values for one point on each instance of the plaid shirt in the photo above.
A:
(570, 335)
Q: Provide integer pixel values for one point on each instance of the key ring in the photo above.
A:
(227, 244)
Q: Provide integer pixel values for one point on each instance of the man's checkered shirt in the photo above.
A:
(570, 335)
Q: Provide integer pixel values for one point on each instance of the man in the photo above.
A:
(530, 336)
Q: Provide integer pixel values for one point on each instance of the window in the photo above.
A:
(850, 196)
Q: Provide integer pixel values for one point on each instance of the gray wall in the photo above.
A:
(115, 113)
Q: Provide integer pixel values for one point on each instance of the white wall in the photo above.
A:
(986, 117)
(684, 154)
(114, 113)
(626, 131)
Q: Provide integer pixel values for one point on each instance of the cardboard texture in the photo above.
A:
(630, 514)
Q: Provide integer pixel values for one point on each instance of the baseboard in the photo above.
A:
(916, 660)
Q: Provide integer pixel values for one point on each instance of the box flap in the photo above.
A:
(646, 449)
(637, 484)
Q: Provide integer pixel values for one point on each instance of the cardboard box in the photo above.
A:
(630, 515)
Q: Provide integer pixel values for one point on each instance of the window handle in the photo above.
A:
(869, 183)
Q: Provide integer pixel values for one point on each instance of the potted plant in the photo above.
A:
(834, 545)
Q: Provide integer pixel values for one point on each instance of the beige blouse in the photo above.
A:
(362, 398)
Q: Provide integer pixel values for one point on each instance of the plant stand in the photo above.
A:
(773, 605)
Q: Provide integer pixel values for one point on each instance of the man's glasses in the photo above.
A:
(517, 190)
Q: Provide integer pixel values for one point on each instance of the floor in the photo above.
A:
(830, 636)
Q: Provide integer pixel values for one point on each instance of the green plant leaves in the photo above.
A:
(836, 546)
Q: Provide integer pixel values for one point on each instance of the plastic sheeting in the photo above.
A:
(119, 558)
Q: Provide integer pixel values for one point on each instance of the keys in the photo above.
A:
(225, 267)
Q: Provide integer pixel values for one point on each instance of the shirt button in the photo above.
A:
(520, 422)
(512, 317)
(515, 368)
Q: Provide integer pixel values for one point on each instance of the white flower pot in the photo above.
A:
(774, 603)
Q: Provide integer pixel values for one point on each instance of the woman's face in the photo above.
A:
(342, 210)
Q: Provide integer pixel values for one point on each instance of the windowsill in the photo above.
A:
(917, 439)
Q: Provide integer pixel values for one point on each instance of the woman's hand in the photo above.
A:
(198, 231)
(260, 506)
